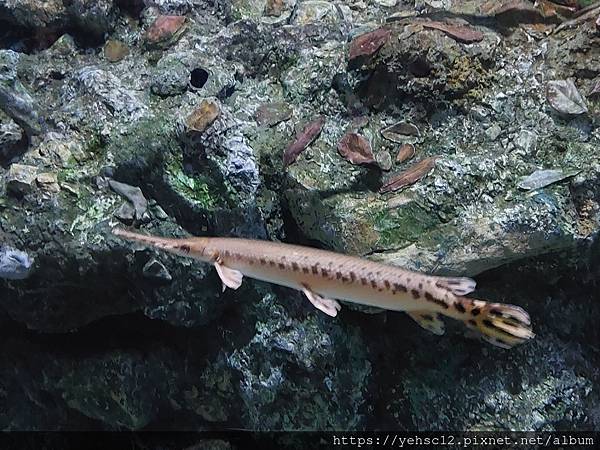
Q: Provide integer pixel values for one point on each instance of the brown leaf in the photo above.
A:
(460, 33)
(203, 116)
(409, 176)
(356, 149)
(303, 140)
(406, 152)
(369, 43)
(164, 28)
(398, 132)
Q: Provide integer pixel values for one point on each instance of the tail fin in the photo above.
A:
(499, 324)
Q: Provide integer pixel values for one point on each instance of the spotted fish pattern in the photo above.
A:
(326, 277)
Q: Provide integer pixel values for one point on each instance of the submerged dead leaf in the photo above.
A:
(406, 152)
(460, 33)
(369, 43)
(409, 176)
(203, 116)
(398, 132)
(165, 29)
(543, 178)
(303, 140)
(564, 97)
(356, 149)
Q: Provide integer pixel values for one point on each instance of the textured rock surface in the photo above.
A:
(102, 334)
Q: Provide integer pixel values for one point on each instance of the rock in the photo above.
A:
(109, 95)
(20, 178)
(134, 195)
(320, 11)
(125, 213)
(48, 182)
(493, 132)
(11, 139)
(171, 75)
(270, 114)
(15, 99)
(92, 17)
(14, 264)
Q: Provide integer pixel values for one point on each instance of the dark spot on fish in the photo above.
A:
(429, 297)
(263, 261)
(185, 248)
(272, 263)
(373, 284)
(488, 323)
(227, 253)
(338, 275)
(251, 261)
(379, 289)
(387, 284)
(475, 311)
(281, 265)
(353, 276)
(459, 307)
(363, 281)
(305, 269)
(408, 280)
(427, 317)
(441, 303)
(315, 270)
(420, 285)
(472, 322)
(345, 279)
(324, 272)
(415, 293)
(400, 287)
(295, 266)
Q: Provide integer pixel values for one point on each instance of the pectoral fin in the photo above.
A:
(231, 278)
(429, 321)
(328, 306)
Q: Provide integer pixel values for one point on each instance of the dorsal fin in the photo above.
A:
(457, 285)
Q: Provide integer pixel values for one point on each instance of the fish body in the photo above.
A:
(14, 264)
(326, 277)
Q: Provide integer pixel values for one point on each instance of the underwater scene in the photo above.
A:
(299, 215)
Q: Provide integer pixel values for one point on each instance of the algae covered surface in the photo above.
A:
(173, 117)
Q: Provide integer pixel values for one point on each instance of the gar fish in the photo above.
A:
(325, 277)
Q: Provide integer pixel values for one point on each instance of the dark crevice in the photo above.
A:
(198, 78)
(132, 8)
